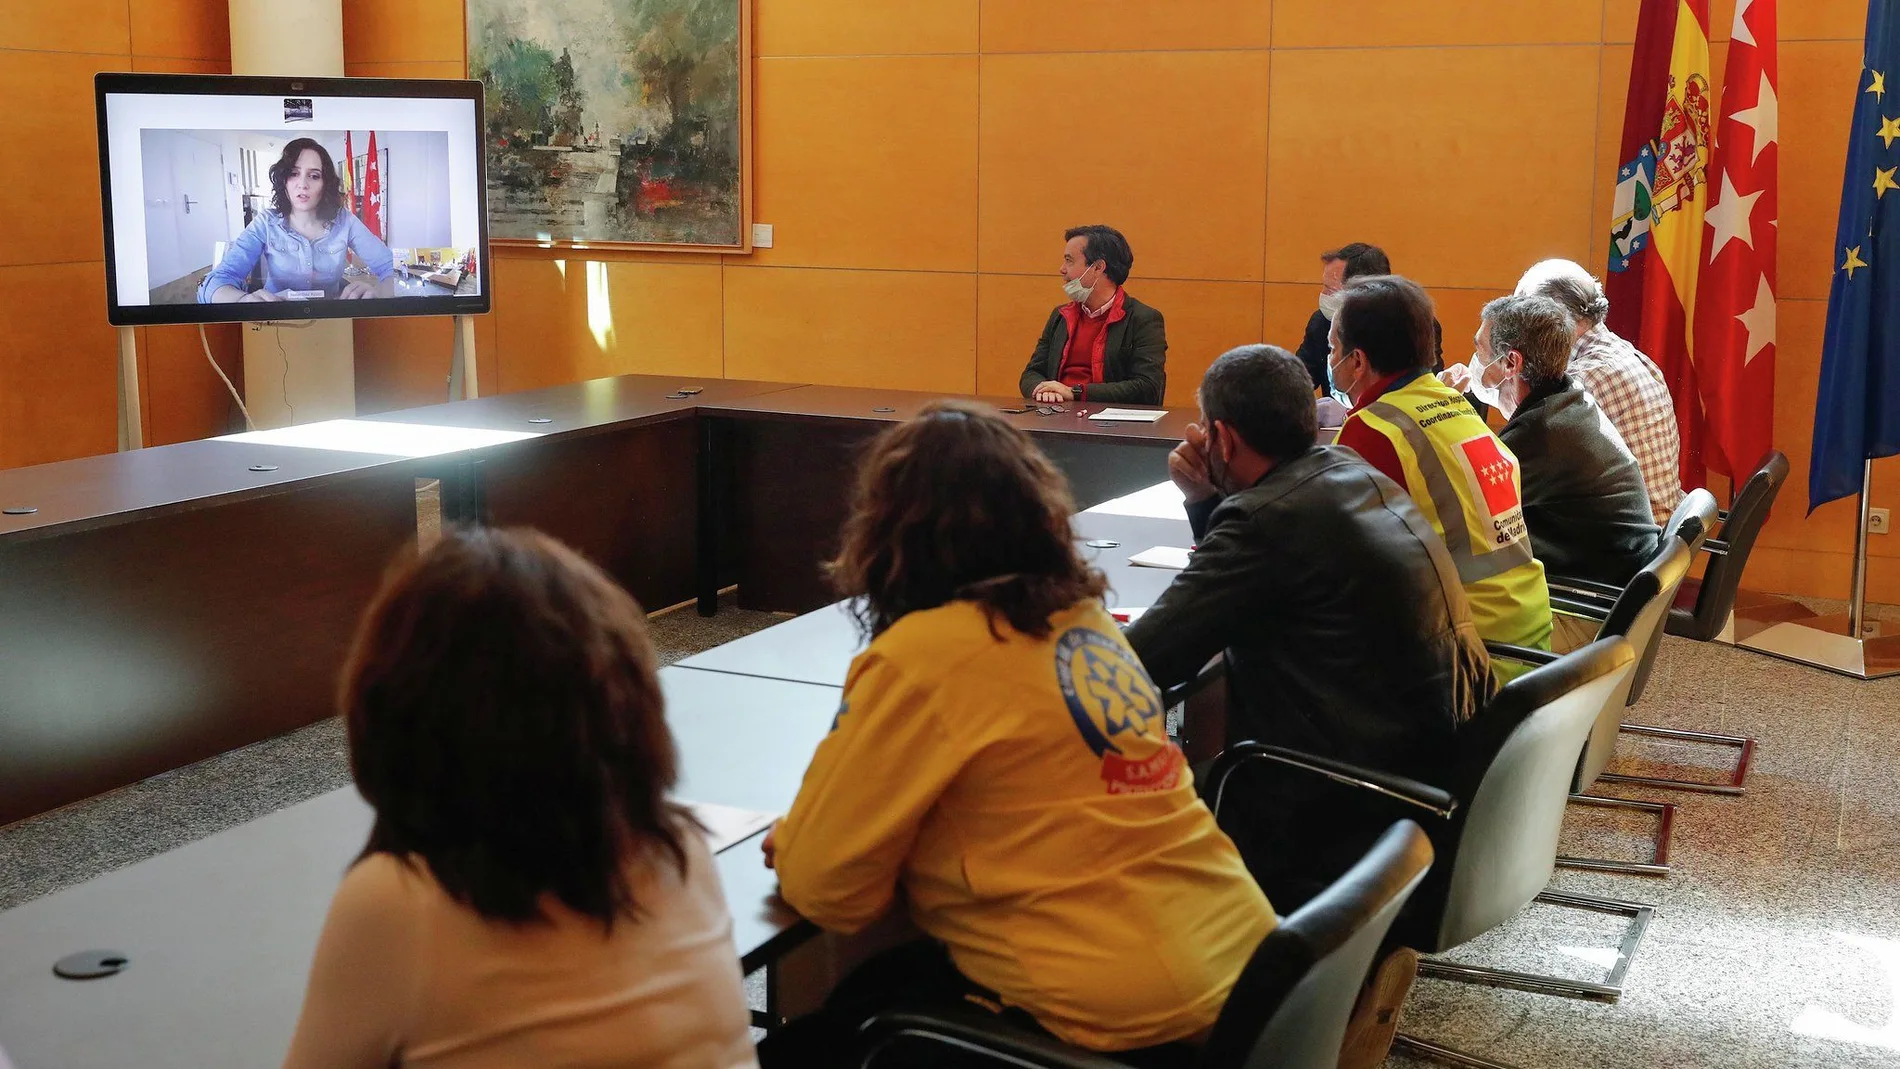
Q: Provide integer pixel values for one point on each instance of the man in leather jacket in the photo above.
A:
(1341, 616)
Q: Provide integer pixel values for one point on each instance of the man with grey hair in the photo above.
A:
(1584, 502)
(1627, 385)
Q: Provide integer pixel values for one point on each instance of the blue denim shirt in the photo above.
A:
(294, 262)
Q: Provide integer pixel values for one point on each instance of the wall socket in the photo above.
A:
(1877, 522)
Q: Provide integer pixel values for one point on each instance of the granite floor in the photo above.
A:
(1776, 940)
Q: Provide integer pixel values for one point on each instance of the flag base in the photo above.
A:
(1789, 630)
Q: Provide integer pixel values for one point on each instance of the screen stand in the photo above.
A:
(462, 384)
(131, 423)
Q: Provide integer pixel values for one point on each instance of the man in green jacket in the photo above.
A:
(1103, 345)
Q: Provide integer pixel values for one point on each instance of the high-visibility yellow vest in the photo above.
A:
(1467, 483)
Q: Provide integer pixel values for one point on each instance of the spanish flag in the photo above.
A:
(349, 165)
(1661, 191)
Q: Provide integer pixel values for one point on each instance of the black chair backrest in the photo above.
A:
(1694, 518)
(1716, 597)
(1516, 759)
(1289, 1008)
(1638, 615)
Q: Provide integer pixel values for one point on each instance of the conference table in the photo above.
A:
(218, 935)
(164, 605)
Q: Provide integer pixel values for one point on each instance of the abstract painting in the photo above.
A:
(615, 121)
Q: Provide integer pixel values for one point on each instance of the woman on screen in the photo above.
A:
(303, 240)
(530, 894)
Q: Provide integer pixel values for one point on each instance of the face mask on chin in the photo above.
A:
(1077, 290)
(1332, 382)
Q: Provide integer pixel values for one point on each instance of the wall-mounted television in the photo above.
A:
(240, 199)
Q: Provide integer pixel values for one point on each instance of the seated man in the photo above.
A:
(1338, 267)
(1345, 629)
(1103, 345)
(1427, 438)
(1584, 501)
(1627, 385)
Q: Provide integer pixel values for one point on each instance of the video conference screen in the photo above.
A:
(241, 199)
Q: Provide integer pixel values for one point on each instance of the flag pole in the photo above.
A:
(1857, 606)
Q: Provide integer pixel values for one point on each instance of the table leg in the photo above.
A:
(706, 560)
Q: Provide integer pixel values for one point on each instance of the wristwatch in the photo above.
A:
(1075, 393)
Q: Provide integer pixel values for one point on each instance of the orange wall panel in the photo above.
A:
(1818, 84)
(66, 26)
(1365, 23)
(852, 174)
(891, 329)
(863, 27)
(1445, 166)
(1116, 25)
(381, 31)
(1179, 167)
(571, 320)
(182, 29)
(408, 68)
(49, 184)
(185, 400)
(58, 366)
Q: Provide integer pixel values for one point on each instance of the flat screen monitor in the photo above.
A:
(240, 199)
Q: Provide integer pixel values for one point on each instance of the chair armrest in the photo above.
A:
(973, 1037)
(1520, 653)
(1715, 547)
(1584, 587)
(1401, 788)
(1211, 671)
(1589, 609)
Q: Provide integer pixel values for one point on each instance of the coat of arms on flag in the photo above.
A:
(1665, 173)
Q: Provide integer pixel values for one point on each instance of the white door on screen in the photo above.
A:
(162, 262)
(184, 204)
(198, 174)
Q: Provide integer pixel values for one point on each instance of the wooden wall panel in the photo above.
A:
(1127, 25)
(863, 27)
(853, 175)
(1181, 168)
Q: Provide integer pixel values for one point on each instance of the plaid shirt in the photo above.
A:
(1629, 388)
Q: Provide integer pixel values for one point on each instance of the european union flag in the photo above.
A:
(1857, 415)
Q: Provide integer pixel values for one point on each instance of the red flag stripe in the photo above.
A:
(1735, 314)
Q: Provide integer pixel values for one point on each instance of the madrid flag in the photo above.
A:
(373, 190)
(1656, 223)
(1735, 309)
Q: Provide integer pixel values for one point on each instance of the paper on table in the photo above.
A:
(1162, 501)
(1130, 415)
(1161, 557)
(726, 825)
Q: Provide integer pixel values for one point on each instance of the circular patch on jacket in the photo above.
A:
(1118, 712)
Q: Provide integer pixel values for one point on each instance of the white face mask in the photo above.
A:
(1329, 304)
(1490, 395)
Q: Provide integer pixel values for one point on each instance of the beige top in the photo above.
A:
(405, 976)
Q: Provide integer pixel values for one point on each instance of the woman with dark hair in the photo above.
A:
(528, 895)
(1001, 769)
(303, 239)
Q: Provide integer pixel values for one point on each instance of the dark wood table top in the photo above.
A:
(90, 492)
(834, 403)
(596, 404)
(220, 932)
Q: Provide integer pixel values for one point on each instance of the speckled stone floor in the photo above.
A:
(1776, 940)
